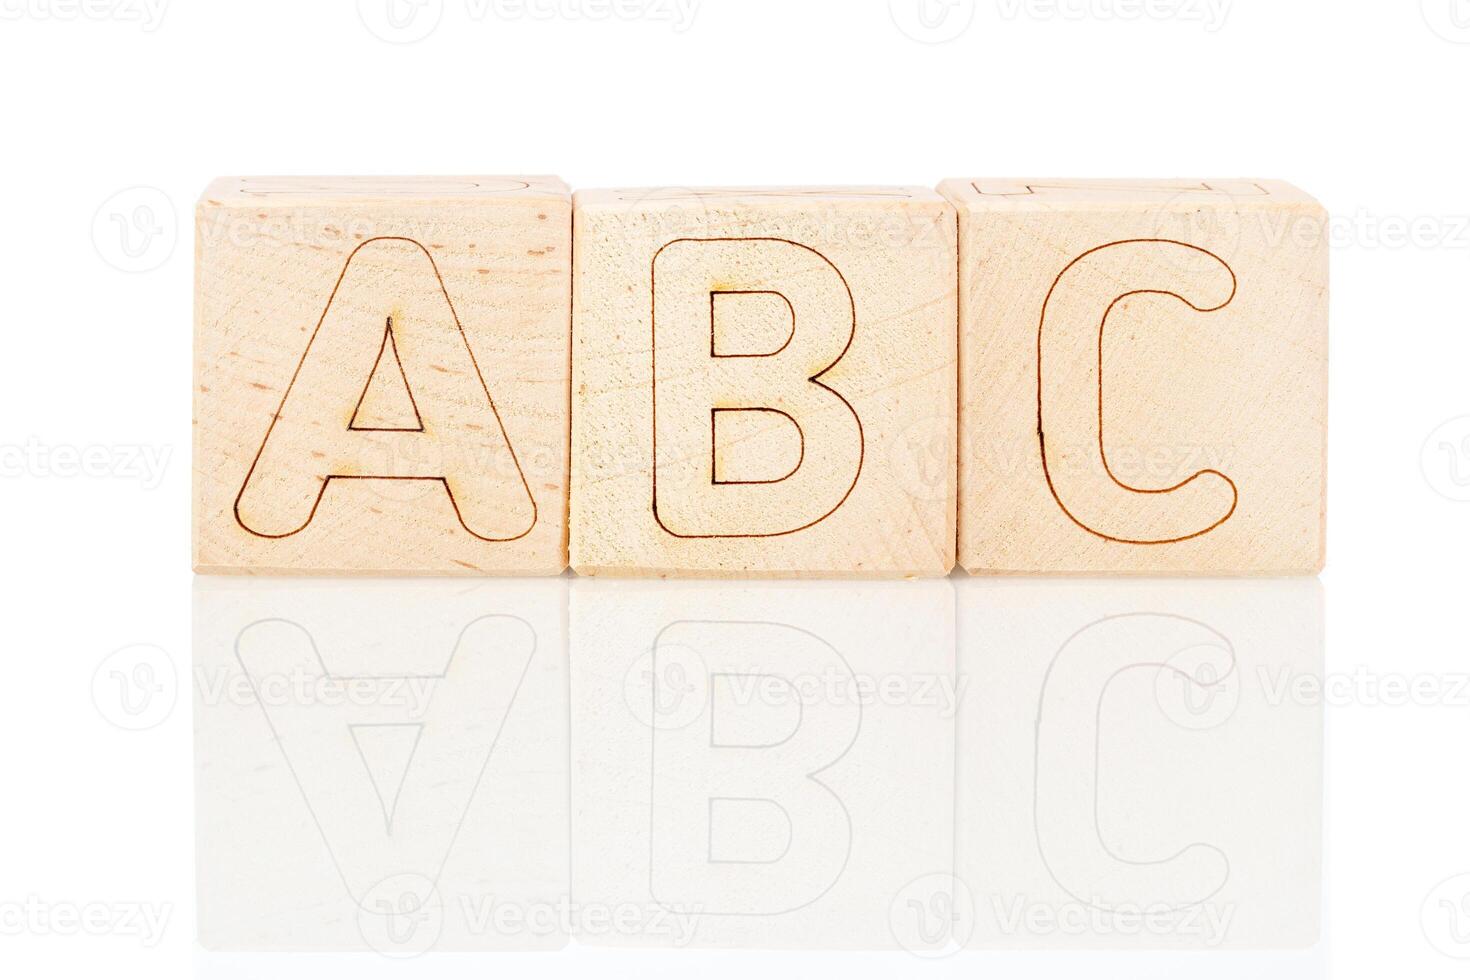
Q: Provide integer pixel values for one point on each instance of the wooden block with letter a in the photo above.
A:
(1143, 377)
(381, 375)
(764, 382)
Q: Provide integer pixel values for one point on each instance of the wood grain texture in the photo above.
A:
(1143, 377)
(381, 375)
(764, 382)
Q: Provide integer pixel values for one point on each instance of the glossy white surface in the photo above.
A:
(825, 767)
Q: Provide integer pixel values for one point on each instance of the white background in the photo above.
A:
(1361, 103)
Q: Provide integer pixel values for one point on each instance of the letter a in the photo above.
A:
(389, 321)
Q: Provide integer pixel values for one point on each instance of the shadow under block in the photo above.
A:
(764, 383)
(381, 375)
(1143, 377)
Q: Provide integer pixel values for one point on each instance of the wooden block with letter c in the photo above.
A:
(1143, 377)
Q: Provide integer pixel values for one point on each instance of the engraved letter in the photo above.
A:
(388, 372)
(1070, 392)
(748, 439)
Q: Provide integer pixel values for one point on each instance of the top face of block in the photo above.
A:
(764, 382)
(312, 191)
(1046, 194)
(1143, 377)
(646, 199)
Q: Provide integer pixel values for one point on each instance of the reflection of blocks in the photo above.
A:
(380, 765)
(1143, 376)
(1141, 769)
(381, 375)
(764, 382)
(755, 766)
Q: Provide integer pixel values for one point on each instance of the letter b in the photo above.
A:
(744, 329)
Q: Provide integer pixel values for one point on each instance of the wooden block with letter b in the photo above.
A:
(764, 382)
(381, 375)
(1143, 377)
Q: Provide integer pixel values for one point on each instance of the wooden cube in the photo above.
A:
(381, 375)
(1143, 377)
(764, 382)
